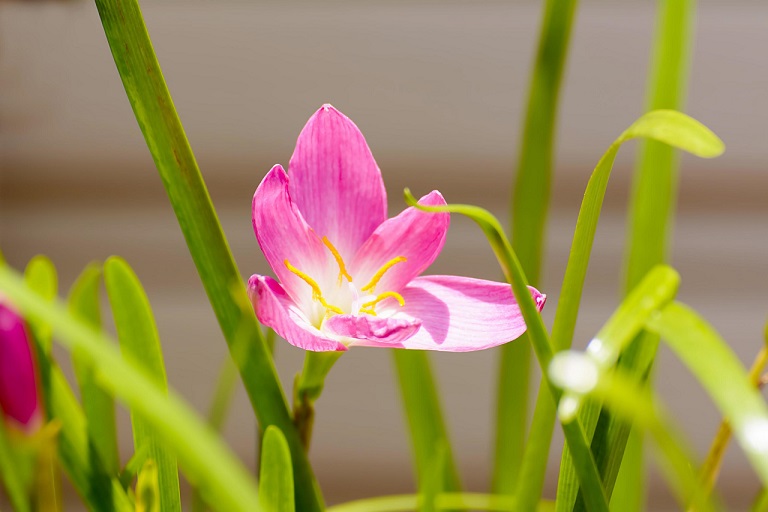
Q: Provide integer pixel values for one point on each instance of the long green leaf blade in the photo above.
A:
(140, 343)
(530, 194)
(276, 478)
(652, 204)
(226, 484)
(15, 481)
(153, 107)
(429, 435)
(98, 406)
(668, 126)
(722, 375)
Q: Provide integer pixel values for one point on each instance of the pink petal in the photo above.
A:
(418, 236)
(277, 310)
(335, 181)
(373, 331)
(283, 234)
(18, 385)
(461, 314)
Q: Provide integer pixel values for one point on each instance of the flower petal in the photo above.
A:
(18, 385)
(461, 314)
(416, 235)
(283, 234)
(373, 331)
(277, 310)
(335, 181)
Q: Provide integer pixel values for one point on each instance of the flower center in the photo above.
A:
(368, 306)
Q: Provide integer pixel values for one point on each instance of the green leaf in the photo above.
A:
(206, 460)
(41, 276)
(651, 210)
(668, 126)
(636, 405)
(77, 455)
(454, 500)
(530, 194)
(99, 407)
(153, 107)
(429, 435)
(276, 478)
(574, 433)
(140, 343)
(722, 375)
(15, 482)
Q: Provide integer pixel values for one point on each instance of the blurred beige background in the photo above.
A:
(438, 89)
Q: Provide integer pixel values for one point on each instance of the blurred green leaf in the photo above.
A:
(15, 481)
(206, 460)
(429, 433)
(140, 343)
(722, 375)
(650, 219)
(78, 457)
(276, 478)
(99, 406)
(530, 194)
(154, 110)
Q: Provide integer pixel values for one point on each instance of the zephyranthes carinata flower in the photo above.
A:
(348, 276)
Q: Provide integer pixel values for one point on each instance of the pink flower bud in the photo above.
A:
(19, 399)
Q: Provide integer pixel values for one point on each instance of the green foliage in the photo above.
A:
(276, 478)
(98, 406)
(225, 483)
(154, 110)
(140, 344)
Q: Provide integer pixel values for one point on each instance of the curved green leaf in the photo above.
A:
(722, 375)
(207, 462)
(537, 331)
(276, 478)
(40, 274)
(99, 407)
(140, 343)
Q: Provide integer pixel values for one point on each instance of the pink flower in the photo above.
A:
(19, 398)
(347, 275)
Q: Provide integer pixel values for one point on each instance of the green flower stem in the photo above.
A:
(531, 194)
(153, 107)
(652, 203)
(308, 387)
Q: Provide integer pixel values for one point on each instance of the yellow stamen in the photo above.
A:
(317, 293)
(378, 275)
(368, 311)
(380, 297)
(342, 268)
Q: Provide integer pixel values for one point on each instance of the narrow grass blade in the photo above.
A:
(429, 435)
(652, 200)
(530, 194)
(99, 406)
(140, 343)
(722, 375)
(276, 478)
(153, 107)
(77, 455)
(206, 460)
(586, 470)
